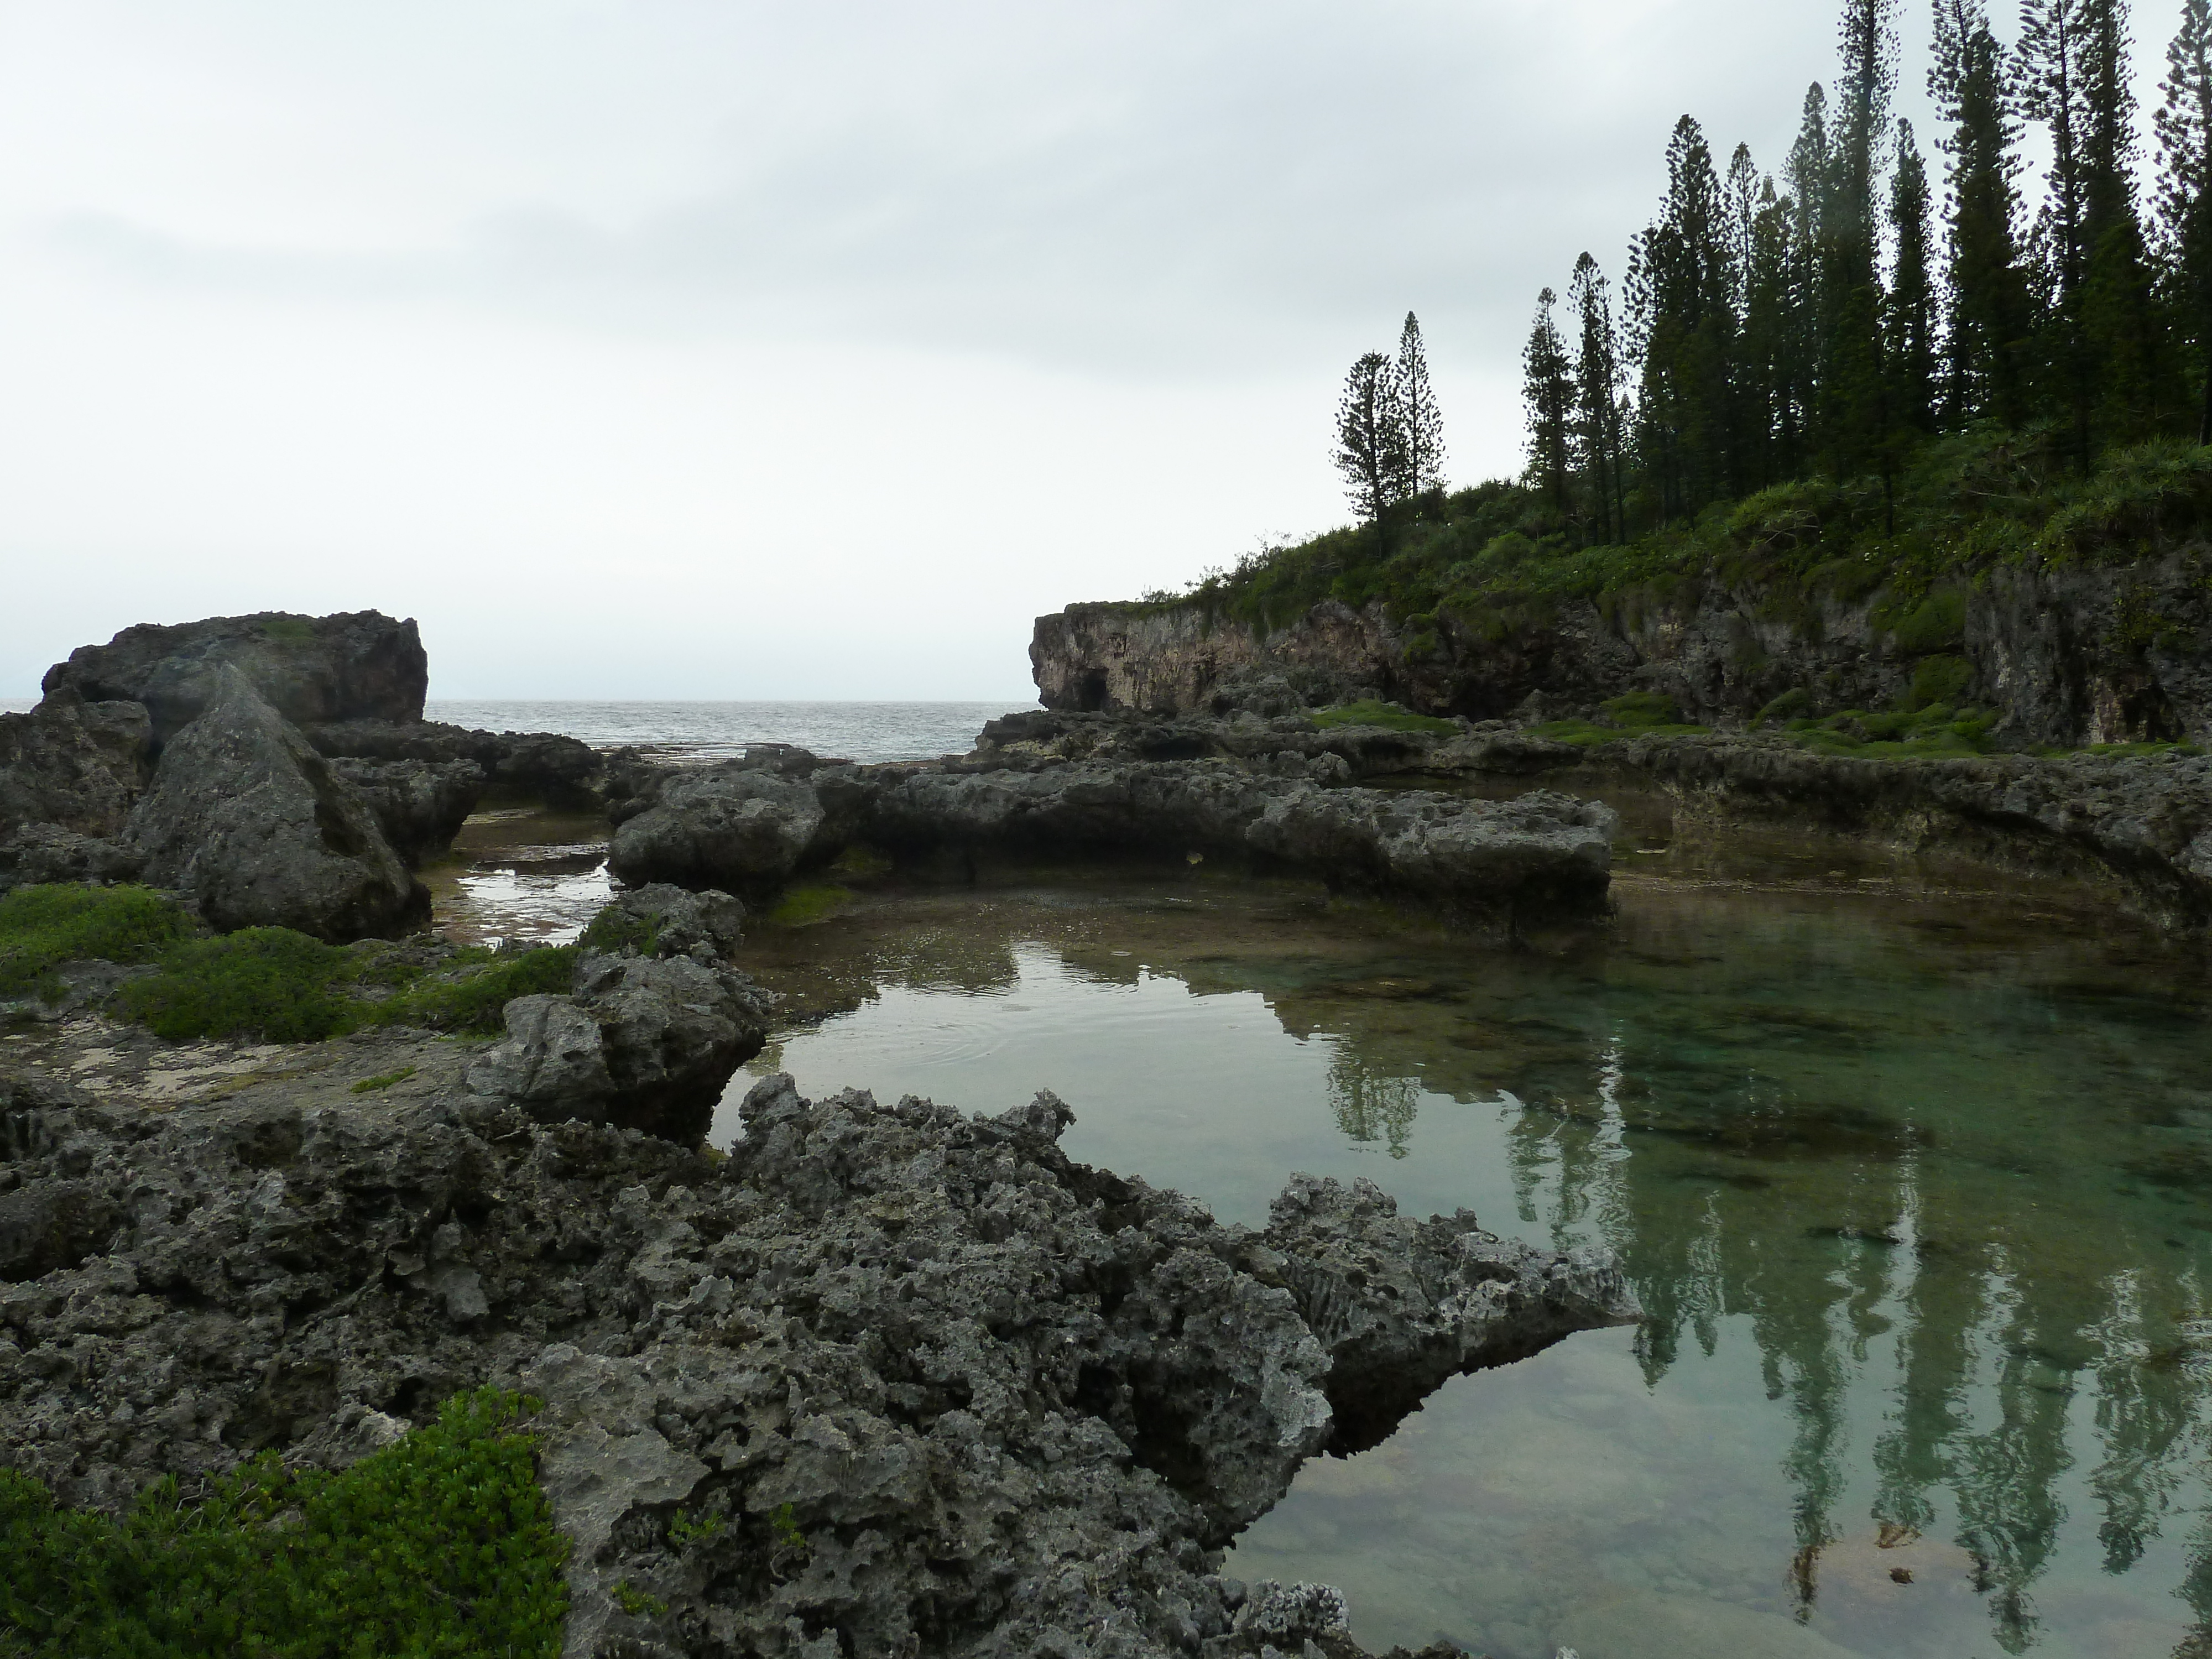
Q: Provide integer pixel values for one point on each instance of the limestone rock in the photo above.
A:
(76, 764)
(707, 926)
(915, 1376)
(551, 1063)
(419, 804)
(41, 853)
(563, 772)
(355, 665)
(737, 827)
(251, 822)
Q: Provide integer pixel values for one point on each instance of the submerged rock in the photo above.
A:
(254, 825)
(886, 1379)
(360, 665)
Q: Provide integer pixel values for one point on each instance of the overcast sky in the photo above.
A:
(710, 349)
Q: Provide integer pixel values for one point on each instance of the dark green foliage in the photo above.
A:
(1938, 680)
(282, 986)
(615, 929)
(43, 927)
(1936, 623)
(268, 982)
(442, 1544)
(1548, 389)
(1636, 715)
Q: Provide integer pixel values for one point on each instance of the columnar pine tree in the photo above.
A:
(1768, 356)
(1809, 176)
(1548, 386)
(1600, 424)
(2054, 91)
(1986, 334)
(2133, 380)
(1419, 422)
(1854, 406)
(1679, 284)
(1371, 444)
(2183, 122)
(1910, 347)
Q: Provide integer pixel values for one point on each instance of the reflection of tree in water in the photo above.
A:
(2008, 1354)
(1371, 1105)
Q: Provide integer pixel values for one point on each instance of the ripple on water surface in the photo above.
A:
(1916, 1191)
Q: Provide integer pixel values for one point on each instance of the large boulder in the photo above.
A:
(251, 822)
(656, 1026)
(739, 827)
(420, 804)
(38, 854)
(76, 764)
(360, 665)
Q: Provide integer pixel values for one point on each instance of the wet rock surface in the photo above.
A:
(358, 665)
(251, 823)
(419, 804)
(886, 1379)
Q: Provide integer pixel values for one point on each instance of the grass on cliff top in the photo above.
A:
(1479, 567)
(1390, 716)
(440, 1545)
(41, 927)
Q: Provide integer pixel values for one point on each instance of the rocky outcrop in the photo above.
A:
(42, 853)
(916, 1383)
(419, 804)
(359, 664)
(743, 825)
(1500, 861)
(2140, 826)
(565, 773)
(2065, 655)
(256, 827)
(656, 1026)
(77, 765)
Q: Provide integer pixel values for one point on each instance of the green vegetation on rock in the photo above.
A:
(441, 1546)
(42, 928)
(1636, 715)
(809, 902)
(1388, 715)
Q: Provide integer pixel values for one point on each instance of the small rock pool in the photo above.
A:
(1913, 1176)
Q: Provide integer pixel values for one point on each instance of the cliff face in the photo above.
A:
(2072, 656)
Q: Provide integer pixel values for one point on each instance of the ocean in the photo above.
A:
(717, 731)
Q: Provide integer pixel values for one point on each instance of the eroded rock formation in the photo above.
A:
(915, 1382)
(254, 825)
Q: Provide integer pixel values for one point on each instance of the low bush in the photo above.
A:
(43, 927)
(278, 986)
(441, 1546)
(1388, 715)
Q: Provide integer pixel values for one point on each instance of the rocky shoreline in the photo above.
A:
(1008, 1404)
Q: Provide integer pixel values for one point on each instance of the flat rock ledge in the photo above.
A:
(917, 1383)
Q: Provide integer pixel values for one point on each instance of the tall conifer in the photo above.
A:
(1420, 425)
(1548, 386)
(2183, 123)
(1809, 175)
(1599, 422)
(1910, 350)
(1680, 288)
(1371, 448)
(1987, 329)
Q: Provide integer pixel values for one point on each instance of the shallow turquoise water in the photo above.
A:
(1916, 1187)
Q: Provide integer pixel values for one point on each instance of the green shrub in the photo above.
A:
(1938, 622)
(282, 986)
(615, 929)
(1371, 711)
(43, 927)
(1789, 705)
(269, 983)
(441, 1546)
(1643, 708)
(1939, 680)
(471, 1000)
